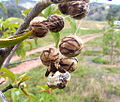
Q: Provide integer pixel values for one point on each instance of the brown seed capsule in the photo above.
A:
(87, 1)
(39, 27)
(69, 64)
(58, 80)
(71, 46)
(56, 23)
(63, 7)
(54, 67)
(49, 55)
(78, 9)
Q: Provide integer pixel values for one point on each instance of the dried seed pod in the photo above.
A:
(54, 67)
(58, 80)
(71, 46)
(49, 55)
(69, 64)
(63, 7)
(56, 23)
(87, 1)
(78, 9)
(39, 27)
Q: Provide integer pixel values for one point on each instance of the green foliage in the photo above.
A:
(21, 51)
(111, 43)
(7, 73)
(3, 8)
(48, 11)
(73, 24)
(56, 38)
(25, 12)
(111, 70)
(99, 60)
(14, 40)
(92, 53)
(17, 2)
(8, 27)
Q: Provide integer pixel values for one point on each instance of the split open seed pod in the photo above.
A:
(56, 23)
(49, 55)
(39, 27)
(63, 7)
(78, 9)
(58, 80)
(71, 46)
(69, 63)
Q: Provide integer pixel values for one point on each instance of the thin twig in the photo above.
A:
(2, 97)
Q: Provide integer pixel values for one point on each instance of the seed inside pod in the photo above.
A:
(71, 46)
(56, 23)
(69, 63)
(78, 9)
(58, 80)
(63, 7)
(39, 27)
(49, 55)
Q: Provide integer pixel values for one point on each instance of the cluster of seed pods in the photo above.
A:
(60, 62)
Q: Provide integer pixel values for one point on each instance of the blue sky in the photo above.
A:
(100, 1)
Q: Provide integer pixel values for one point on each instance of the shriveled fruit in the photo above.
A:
(69, 63)
(49, 55)
(56, 23)
(78, 9)
(63, 7)
(39, 27)
(58, 80)
(71, 46)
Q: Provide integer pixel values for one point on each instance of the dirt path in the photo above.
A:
(26, 66)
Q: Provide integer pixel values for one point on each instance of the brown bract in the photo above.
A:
(71, 46)
(78, 9)
(56, 23)
(49, 55)
(39, 27)
(69, 63)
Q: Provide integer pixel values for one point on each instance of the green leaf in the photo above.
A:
(3, 8)
(20, 50)
(11, 41)
(25, 12)
(12, 19)
(73, 24)
(48, 11)
(33, 97)
(22, 78)
(30, 44)
(56, 37)
(8, 73)
(17, 2)
(36, 41)
(15, 95)
(43, 86)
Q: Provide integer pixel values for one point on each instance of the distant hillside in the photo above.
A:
(15, 10)
(101, 12)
